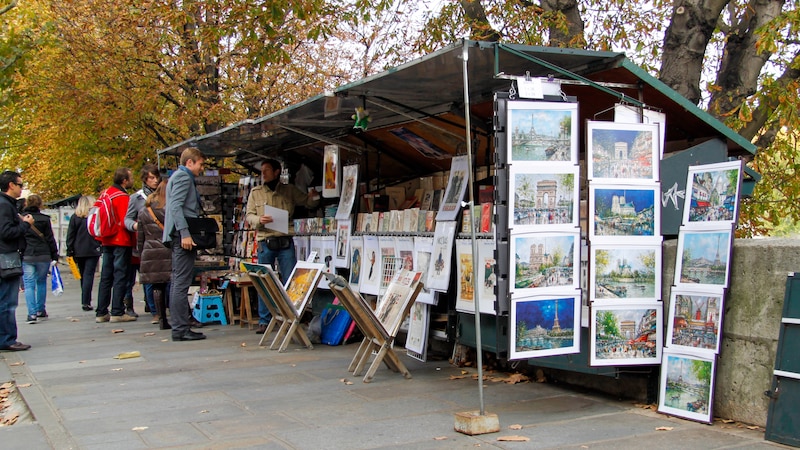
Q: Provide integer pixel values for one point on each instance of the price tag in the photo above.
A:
(530, 88)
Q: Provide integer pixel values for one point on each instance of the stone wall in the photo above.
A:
(751, 321)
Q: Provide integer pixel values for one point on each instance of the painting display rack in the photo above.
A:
(257, 274)
(376, 337)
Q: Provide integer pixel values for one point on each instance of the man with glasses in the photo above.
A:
(13, 227)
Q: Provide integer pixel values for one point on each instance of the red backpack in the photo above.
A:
(102, 221)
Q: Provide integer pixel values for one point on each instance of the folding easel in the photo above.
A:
(376, 337)
(291, 312)
(257, 272)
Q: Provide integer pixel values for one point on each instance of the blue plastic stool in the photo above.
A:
(209, 308)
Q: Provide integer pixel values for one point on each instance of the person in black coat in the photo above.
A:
(13, 227)
(39, 252)
(84, 249)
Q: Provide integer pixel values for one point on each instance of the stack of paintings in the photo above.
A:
(625, 243)
(702, 272)
(543, 193)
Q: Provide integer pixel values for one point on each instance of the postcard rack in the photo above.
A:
(377, 338)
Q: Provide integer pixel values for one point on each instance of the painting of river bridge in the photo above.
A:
(687, 386)
(625, 335)
(630, 273)
(542, 131)
(544, 261)
(704, 258)
(622, 151)
(545, 326)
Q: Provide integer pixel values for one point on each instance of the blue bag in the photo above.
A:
(56, 283)
(335, 322)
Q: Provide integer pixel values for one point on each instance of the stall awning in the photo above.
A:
(422, 100)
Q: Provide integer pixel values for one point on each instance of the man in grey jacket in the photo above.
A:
(182, 202)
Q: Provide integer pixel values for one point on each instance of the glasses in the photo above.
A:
(18, 184)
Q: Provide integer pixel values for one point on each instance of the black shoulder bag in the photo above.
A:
(203, 231)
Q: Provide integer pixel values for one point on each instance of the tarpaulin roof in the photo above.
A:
(424, 100)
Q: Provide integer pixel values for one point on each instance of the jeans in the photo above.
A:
(87, 268)
(34, 275)
(9, 299)
(182, 273)
(286, 261)
(148, 298)
(113, 280)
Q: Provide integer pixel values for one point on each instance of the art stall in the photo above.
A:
(532, 185)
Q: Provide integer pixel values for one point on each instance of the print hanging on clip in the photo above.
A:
(331, 172)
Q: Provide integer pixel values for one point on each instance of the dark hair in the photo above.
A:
(121, 174)
(192, 153)
(6, 178)
(147, 170)
(34, 202)
(272, 162)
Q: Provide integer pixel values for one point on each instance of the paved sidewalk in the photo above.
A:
(227, 392)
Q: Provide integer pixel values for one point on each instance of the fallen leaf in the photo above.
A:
(664, 428)
(7, 385)
(82, 361)
(348, 382)
(74, 320)
(203, 411)
(165, 340)
(16, 364)
(464, 372)
(150, 334)
(226, 360)
(753, 427)
(516, 426)
(24, 385)
(514, 438)
(243, 344)
(727, 420)
(118, 330)
(128, 355)
(118, 369)
(516, 378)
(457, 377)
(139, 428)
(584, 446)
(440, 438)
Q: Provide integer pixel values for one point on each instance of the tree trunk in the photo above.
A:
(480, 29)
(572, 36)
(685, 42)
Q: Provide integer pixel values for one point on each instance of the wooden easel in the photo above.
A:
(256, 272)
(376, 337)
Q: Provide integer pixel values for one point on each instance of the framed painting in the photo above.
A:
(301, 248)
(342, 255)
(465, 277)
(404, 249)
(349, 186)
(712, 199)
(487, 276)
(625, 272)
(370, 279)
(356, 254)
(703, 259)
(417, 338)
(483, 287)
(456, 185)
(301, 283)
(622, 151)
(542, 132)
(423, 247)
(545, 326)
(393, 302)
(331, 172)
(687, 386)
(439, 268)
(544, 262)
(695, 321)
(624, 112)
(624, 214)
(626, 334)
(544, 198)
(327, 252)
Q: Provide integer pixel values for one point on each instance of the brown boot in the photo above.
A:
(161, 307)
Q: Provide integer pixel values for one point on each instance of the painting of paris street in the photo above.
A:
(545, 326)
(714, 194)
(625, 212)
(542, 199)
(703, 258)
(626, 272)
(687, 385)
(624, 335)
(623, 151)
(542, 131)
(695, 322)
(544, 261)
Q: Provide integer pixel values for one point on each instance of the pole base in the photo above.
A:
(472, 423)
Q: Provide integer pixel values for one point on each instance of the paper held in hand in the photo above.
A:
(280, 219)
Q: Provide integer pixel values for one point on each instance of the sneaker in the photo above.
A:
(103, 318)
(123, 318)
(32, 319)
(87, 307)
(131, 312)
(42, 314)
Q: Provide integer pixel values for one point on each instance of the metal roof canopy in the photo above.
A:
(426, 96)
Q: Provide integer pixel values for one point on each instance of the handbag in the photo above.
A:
(203, 231)
(335, 322)
(10, 265)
